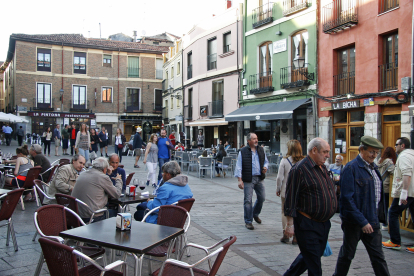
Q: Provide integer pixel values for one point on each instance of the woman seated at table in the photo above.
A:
(22, 163)
(174, 188)
(219, 158)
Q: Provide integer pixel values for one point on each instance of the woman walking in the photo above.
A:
(293, 156)
(151, 159)
(47, 135)
(219, 158)
(386, 165)
(119, 143)
(83, 142)
(94, 140)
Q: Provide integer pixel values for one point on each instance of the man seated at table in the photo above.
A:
(94, 187)
(113, 161)
(40, 160)
(174, 188)
(179, 147)
(65, 177)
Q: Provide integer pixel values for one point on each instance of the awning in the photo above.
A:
(213, 122)
(271, 111)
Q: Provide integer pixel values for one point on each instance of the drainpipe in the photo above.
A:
(412, 77)
(237, 57)
(182, 91)
(62, 79)
(119, 51)
(314, 99)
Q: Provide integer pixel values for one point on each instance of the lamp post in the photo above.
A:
(61, 99)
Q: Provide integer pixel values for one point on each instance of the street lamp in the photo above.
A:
(299, 63)
(61, 98)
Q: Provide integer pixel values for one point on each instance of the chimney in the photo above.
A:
(134, 36)
(228, 4)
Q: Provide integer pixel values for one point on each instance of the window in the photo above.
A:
(133, 67)
(212, 54)
(389, 69)
(107, 60)
(178, 68)
(266, 64)
(156, 43)
(158, 100)
(133, 100)
(189, 65)
(227, 42)
(44, 96)
(158, 68)
(300, 46)
(107, 94)
(79, 97)
(172, 72)
(386, 5)
(178, 103)
(79, 63)
(344, 82)
(172, 102)
(216, 107)
(43, 59)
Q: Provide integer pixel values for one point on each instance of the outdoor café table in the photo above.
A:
(123, 201)
(4, 191)
(3, 169)
(139, 240)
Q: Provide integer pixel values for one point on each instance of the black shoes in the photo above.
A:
(249, 226)
(257, 219)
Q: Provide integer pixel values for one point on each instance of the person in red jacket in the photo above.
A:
(172, 138)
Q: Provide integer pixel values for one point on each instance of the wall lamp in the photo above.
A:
(299, 63)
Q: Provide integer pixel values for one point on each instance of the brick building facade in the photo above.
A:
(104, 83)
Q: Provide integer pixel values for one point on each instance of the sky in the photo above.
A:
(147, 17)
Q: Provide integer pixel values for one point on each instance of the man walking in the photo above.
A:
(251, 170)
(362, 208)
(20, 135)
(56, 134)
(310, 203)
(164, 145)
(72, 133)
(65, 140)
(7, 133)
(402, 192)
(103, 141)
(137, 145)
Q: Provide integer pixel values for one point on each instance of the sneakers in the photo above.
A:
(136, 166)
(389, 244)
(249, 226)
(410, 250)
(154, 185)
(147, 183)
(257, 219)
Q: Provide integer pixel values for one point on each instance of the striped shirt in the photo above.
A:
(309, 189)
(377, 181)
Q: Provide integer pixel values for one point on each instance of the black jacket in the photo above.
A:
(246, 154)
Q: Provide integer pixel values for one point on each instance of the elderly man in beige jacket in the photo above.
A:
(65, 177)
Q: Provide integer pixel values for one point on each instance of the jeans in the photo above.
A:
(312, 237)
(8, 138)
(373, 244)
(119, 152)
(20, 140)
(393, 214)
(47, 146)
(84, 153)
(258, 187)
(161, 162)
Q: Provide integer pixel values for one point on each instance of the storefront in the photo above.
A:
(148, 124)
(213, 130)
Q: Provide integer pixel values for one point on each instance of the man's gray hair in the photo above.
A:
(100, 164)
(342, 158)
(315, 142)
(111, 155)
(249, 136)
(172, 168)
(362, 147)
(76, 158)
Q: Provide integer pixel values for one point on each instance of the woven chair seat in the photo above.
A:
(91, 270)
(159, 251)
(179, 271)
(92, 252)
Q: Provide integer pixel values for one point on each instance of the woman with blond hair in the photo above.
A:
(120, 141)
(83, 142)
(293, 156)
(151, 159)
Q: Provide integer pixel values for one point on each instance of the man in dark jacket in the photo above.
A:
(251, 170)
(137, 145)
(362, 208)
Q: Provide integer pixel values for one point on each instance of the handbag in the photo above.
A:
(93, 155)
(328, 250)
(120, 146)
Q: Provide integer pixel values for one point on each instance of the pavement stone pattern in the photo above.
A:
(217, 213)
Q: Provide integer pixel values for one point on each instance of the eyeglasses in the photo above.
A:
(338, 159)
(397, 145)
(374, 152)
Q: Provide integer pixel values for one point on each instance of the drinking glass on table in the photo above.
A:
(141, 184)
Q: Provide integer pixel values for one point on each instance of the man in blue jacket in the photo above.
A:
(362, 208)
(174, 188)
(164, 146)
(137, 145)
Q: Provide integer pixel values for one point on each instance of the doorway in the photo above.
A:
(391, 125)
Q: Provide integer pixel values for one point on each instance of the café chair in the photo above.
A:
(130, 150)
(178, 267)
(121, 166)
(32, 174)
(50, 220)
(41, 194)
(9, 203)
(205, 163)
(172, 216)
(72, 203)
(61, 260)
(225, 165)
(65, 161)
(129, 178)
(186, 204)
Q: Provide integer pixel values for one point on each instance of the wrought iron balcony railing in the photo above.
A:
(188, 112)
(136, 107)
(215, 109)
(262, 15)
(293, 6)
(158, 108)
(79, 106)
(388, 76)
(339, 15)
(189, 71)
(344, 84)
(41, 105)
(211, 61)
(290, 77)
(261, 83)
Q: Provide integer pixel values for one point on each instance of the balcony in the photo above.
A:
(339, 15)
(165, 113)
(157, 108)
(79, 106)
(189, 72)
(188, 112)
(261, 83)
(388, 76)
(344, 84)
(211, 61)
(386, 5)
(294, 6)
(136, 107)
(158, 74)
(215, 109)
(42, 106)
(262, 15)
(291, 77)
(133, 72)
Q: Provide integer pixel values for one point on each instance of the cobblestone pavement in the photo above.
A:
(216, 214)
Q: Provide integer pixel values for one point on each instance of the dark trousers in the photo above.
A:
(312, 237)
(140, 213)
(20, 140)
(394, 212)
(47, 146)
(8, 138)
(373, 244)
(387, 203)
(161, 162)
(119, 152)
(72, 145)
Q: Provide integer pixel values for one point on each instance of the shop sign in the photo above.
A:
(60, 115)
(369, 102)
(257, 117)
(178, 117)
(345, 105)
(203, 110)
(279, 46)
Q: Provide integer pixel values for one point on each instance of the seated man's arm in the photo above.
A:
(161, 199)
(110, 189)
(62, 181)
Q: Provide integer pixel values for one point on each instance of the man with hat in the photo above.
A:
(137, 145)
(362, 208)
